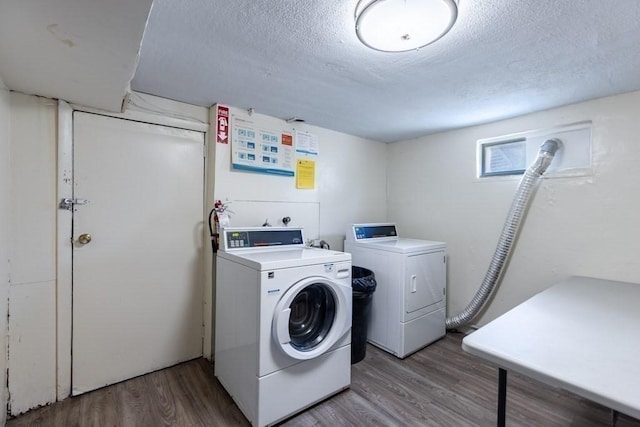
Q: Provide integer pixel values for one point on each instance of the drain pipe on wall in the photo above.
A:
(509, 232)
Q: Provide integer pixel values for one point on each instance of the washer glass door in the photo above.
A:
(311, 317)
(312, 314)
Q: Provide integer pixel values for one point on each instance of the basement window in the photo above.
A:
(500, 158)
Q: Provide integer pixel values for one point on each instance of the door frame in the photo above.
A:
(148, 109)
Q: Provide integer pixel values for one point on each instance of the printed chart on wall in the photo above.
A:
(307, 151)
(259, 150)
(306, 143)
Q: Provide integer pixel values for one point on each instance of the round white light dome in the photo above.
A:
(403, 25)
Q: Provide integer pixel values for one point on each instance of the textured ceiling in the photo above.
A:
(301, 58)
(287, 58)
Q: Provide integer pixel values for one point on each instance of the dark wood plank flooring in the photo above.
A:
(438, 386)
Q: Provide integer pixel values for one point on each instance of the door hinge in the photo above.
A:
(69, 203)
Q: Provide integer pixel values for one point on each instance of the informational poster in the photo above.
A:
(263, 151)
(306, 143)
(306, 174)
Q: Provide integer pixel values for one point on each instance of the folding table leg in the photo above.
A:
(614, 418)
(502, 396)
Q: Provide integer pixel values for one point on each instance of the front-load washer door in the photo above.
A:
(311, 317)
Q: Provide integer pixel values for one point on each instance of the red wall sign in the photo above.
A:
(222, 125)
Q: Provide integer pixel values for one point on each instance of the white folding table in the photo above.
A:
(581, 335)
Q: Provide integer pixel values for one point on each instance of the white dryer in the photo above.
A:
(283, 322)
(408, 305)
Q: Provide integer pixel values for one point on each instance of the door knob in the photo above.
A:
(84, 238)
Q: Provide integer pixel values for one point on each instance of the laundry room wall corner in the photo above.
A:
(575, 225)
(352, 185)
(5, 191)
(349, 185)
(32, 292)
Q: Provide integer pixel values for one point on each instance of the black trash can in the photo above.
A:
(363, 282)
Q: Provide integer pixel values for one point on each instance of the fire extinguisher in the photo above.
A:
(214, 228)
(219, 208)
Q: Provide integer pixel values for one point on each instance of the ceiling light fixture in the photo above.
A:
(403, 25)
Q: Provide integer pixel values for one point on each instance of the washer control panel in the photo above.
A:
(261, 237)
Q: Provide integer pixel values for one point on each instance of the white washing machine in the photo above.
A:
(283, 322)
(408, 305)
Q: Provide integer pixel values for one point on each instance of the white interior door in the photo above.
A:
(137, 285)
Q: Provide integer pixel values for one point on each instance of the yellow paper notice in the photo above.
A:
(306, 174)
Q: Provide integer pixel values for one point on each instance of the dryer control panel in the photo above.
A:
(378, 231)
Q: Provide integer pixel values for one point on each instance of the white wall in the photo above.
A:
(5, 191)
(32, 315)
(575, 226)
(351, 175)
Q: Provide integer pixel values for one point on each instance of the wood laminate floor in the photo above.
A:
(437, 386)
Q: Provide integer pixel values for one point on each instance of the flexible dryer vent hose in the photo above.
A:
(509, 232)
